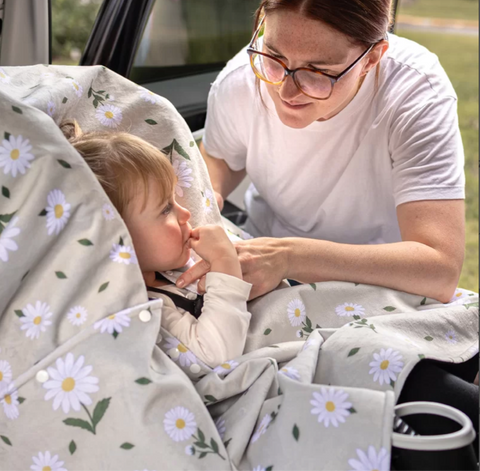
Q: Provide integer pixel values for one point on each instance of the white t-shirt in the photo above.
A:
(341, 179)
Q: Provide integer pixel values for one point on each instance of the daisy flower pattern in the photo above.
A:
(190, 450)
(5, 374)
(15, 155)
(262, 428)
(113, 323)
(182, 171)
(51, 108)
(208, 200)
(331, 406)
(6, 239)
(77, 87)
(123, 254)
(226, 367)
(108, 212)
(9, 401)
(459, 294)
(180, 424)
(70, 383)
(109, 115)
(46, 462)
(386, 365)
(259, 468)
(58, 212)
(35, 319)
(221, 429)
(149, 96)
(178, 352)
(290, 372)
(4, 78)
(451, 337)
(77, 315)
(350, 309)
(371, 461)
(296, 312)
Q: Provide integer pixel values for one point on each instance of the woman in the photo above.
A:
(351, 140)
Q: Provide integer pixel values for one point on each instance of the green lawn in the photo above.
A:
(455, 9)
(459, 56)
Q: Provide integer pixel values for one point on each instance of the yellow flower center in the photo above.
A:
(2, 75)
(68, 384)
(58, 211)
(297, 312)
(225, 366)
(1, 375)
(330, 406)
(180, 423)
(14, 154)
(78, 315)
(458, 294)
(8, 399)
(111, 317)
(124, 255)
(75, 85)
(349, 308)
(207, 203)
(108, 114)
(46, 468)
(384, 364)
(37, 320)
(181, 348)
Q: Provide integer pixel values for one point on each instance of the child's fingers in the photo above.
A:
(195, 233)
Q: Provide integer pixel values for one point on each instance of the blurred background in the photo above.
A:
(182, 36)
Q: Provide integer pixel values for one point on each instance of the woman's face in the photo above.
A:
(302, 42)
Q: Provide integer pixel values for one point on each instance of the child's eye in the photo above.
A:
(167, 209)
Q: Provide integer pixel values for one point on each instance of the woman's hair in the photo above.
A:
(121, 161)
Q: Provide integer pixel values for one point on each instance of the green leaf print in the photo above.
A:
(126, 446)
(24, 276)
(65, 99)
(389, 308)
(192, 143)
(214, 445)
(422, 303)
(89, 94)
(267, 331)
(468, 306)
(61, 275)
(180, 150)
(392, 383)
(115, 334)
(270, 468)
(63, 163)
(314, 286)
(296, 432)
(85, 242)
(7, 217)
(227, 442)
(103, 287)
(151, 122)
(201, 436)
(6, 440)
(17, 109)
(43, 212)
(202, 455)
(120, 241)
(5, 192)
(428, 338)
(200, 444)
(353, 351)
(210, 398)
(21, 400)
(421, 356)
(100, 410)
(19, 313)
(352, 410)
(143, 381)
(79, 423)
(6, 135)
(72, 447)
(203, 445)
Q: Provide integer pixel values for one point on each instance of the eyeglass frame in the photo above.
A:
(333, 78)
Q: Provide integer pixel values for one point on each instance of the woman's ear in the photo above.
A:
(374, 56)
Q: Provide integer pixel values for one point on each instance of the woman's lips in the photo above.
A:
(293, 106)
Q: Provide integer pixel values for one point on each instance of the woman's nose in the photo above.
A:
(288, 89)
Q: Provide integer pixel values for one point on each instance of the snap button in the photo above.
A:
(145, 316)
(194, 368)
(42, 376)
(169, 273)
(174, 353)
(191, 296)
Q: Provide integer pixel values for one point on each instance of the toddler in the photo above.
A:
(140, 182)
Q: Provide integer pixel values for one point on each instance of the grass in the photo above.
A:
(458, 55)
(454, 9)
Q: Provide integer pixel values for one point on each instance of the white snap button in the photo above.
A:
(42, 376)
(195, 368)
(169, 273)
(145, 316)
(191, 296)
(174, 353)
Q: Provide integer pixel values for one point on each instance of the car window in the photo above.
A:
(185, 37)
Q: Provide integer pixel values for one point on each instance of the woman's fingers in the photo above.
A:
(194, 273)
(201, 284)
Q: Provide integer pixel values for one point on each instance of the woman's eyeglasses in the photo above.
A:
(310, 82)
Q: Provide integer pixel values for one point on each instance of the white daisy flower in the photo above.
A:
(208, 200)
(221, 429)
(262, 428)
(6, 242)
(371, 461)
(113, 323)
(109, 115)
(299, 333)
(331, 405)
(70, 383)
(5, 374)
(386, 365)
(350, 309)
(226, 367)
(77, 315)
(296, 312)
(149, 96)
(35, 319)
(179, 352)
(4, 78)
(190, 450)
(290, 372)
(15, 155)
(58, 212)
(47, 462)
(459, 294)
(182, 171)
(259, 468)
(77, 87)
(9, 401)
(123, 254)
(451, 337)
(108, 212)
(180, 424)
(51, 108)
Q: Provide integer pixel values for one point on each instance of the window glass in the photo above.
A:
(187, 36)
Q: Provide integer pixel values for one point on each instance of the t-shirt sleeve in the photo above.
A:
(225, 124)
(426, 149)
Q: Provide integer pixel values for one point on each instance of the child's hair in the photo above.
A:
(121, 161)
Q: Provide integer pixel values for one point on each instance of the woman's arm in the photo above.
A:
(427, 262)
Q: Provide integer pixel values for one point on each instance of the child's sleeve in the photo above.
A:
(219, 334)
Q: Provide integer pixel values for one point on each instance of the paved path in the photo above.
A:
(438, 25)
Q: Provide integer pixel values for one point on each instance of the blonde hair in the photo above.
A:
(120, 161)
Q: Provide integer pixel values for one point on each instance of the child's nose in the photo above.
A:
(183, 214)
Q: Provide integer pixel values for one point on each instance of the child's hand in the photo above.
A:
(213, 245)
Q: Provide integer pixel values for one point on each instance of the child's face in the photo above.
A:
(160, 232)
